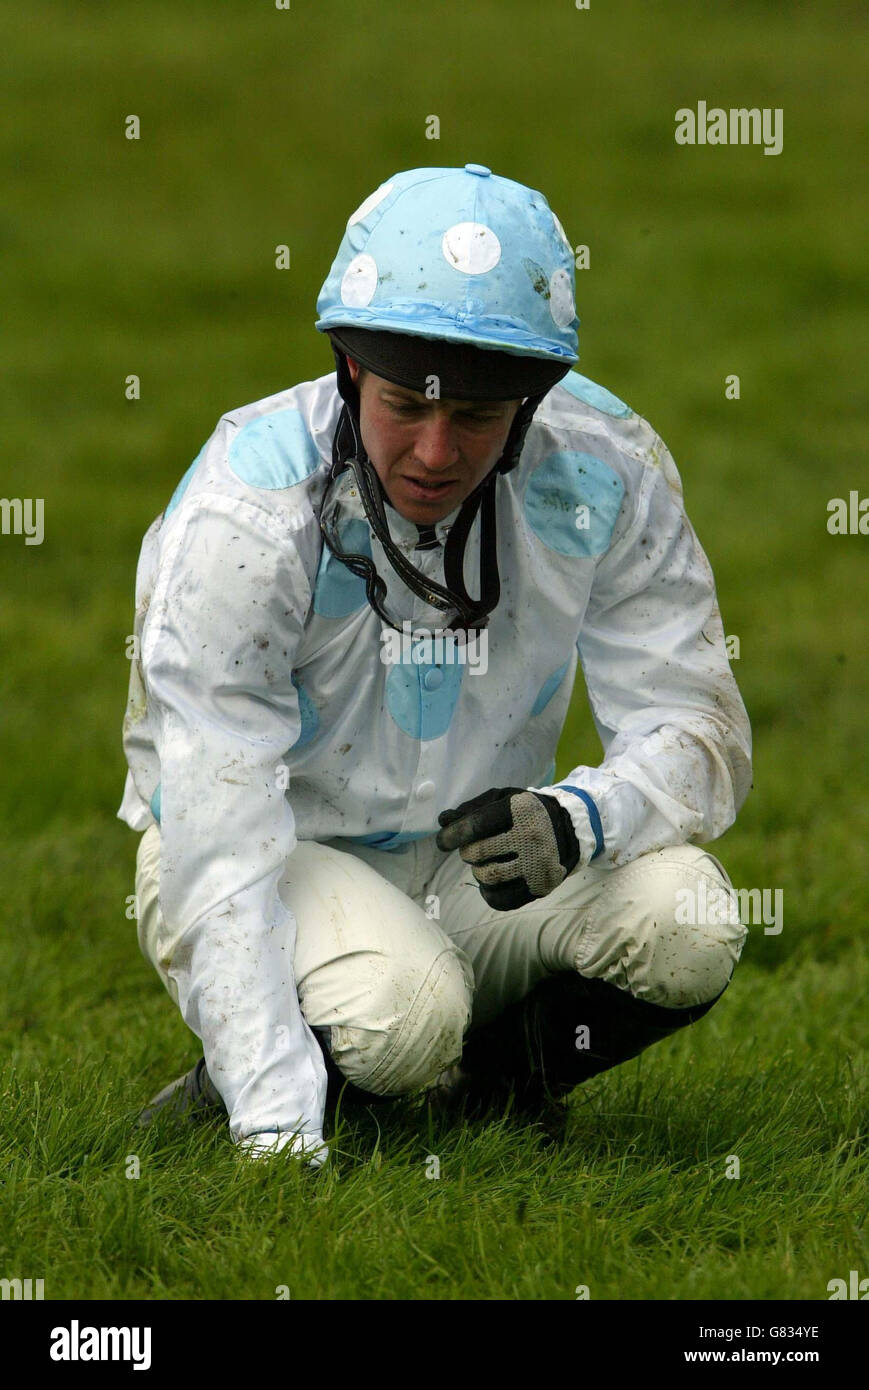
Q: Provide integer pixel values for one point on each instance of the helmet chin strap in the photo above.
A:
(348, 451)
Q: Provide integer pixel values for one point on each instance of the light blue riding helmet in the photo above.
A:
(461, 256)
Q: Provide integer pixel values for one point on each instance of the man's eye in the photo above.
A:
(403, 407)
(477, 419)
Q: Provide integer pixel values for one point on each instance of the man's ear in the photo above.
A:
(353, 368)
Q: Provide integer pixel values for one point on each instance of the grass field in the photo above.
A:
(156, 258)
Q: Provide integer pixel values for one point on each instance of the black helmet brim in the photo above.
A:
(463, 372)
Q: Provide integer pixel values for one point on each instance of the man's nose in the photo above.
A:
(434, 445)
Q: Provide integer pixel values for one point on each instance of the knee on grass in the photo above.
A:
(409, 1025)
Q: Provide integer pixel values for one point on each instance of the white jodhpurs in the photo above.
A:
(399, 956)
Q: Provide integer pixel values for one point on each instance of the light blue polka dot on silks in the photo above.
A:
(572, 502)
(418, 712)
(597, 396)
(274, 451)
(156, 802)
(548, 688)
(308, 712)
(182, 486)
(338, 592)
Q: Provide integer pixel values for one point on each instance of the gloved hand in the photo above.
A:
(308, 1146)
(520, 844)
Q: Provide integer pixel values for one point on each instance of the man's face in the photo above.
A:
(428, 455)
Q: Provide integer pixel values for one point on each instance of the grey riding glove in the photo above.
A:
(520, 844)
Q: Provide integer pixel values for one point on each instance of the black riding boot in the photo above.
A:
(566, 1030)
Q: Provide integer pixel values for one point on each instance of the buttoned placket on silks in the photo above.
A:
(436, 683)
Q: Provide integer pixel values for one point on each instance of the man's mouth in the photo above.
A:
(426, 488)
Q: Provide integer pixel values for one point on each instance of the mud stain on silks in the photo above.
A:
(538, 277)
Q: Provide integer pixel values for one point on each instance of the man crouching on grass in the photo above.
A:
(356, 865)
